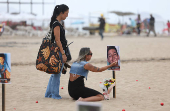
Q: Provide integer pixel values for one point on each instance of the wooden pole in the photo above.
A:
(114, 88)
(3, 97)
(19, 6)
(42, 7)
(31, 6)
(7, 6)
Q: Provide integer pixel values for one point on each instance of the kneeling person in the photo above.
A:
(79, 70)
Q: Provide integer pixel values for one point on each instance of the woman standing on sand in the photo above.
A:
(58, 35)
(138, 24)
(79, 70)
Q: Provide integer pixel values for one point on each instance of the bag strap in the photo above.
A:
(53, 24)
(49, 34)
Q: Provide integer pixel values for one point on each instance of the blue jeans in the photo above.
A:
(101, 33)
(52, 90)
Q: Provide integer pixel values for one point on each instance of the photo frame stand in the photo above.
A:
(3, 97)
(114, 88)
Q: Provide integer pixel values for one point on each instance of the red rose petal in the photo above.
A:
(162, 104)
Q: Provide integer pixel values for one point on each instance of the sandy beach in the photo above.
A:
(146, 59)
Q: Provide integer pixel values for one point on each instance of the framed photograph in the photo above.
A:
(5, 68)
(89, 106)
(112, 56)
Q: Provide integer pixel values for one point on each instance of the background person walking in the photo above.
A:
(133, 25)
(101, 26)
(151, 25)
(138, 24)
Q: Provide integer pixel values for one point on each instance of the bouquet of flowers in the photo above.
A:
(107, 85)
(108, 82)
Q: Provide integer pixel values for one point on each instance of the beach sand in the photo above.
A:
(146, 59)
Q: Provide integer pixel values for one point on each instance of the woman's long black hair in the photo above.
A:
(57, 10)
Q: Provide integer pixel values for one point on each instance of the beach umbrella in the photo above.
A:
(119, 13)
(24, 16)
(17, 16)
(78, 22)
(6, 16)
(43, 17)
(2, 16)
(74, 16)
(122, 14)
(144, 15)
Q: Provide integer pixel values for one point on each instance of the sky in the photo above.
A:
(95, 7)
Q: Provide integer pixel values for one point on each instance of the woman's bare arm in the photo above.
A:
(58, 42)
(92, 68)
(57, 38)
